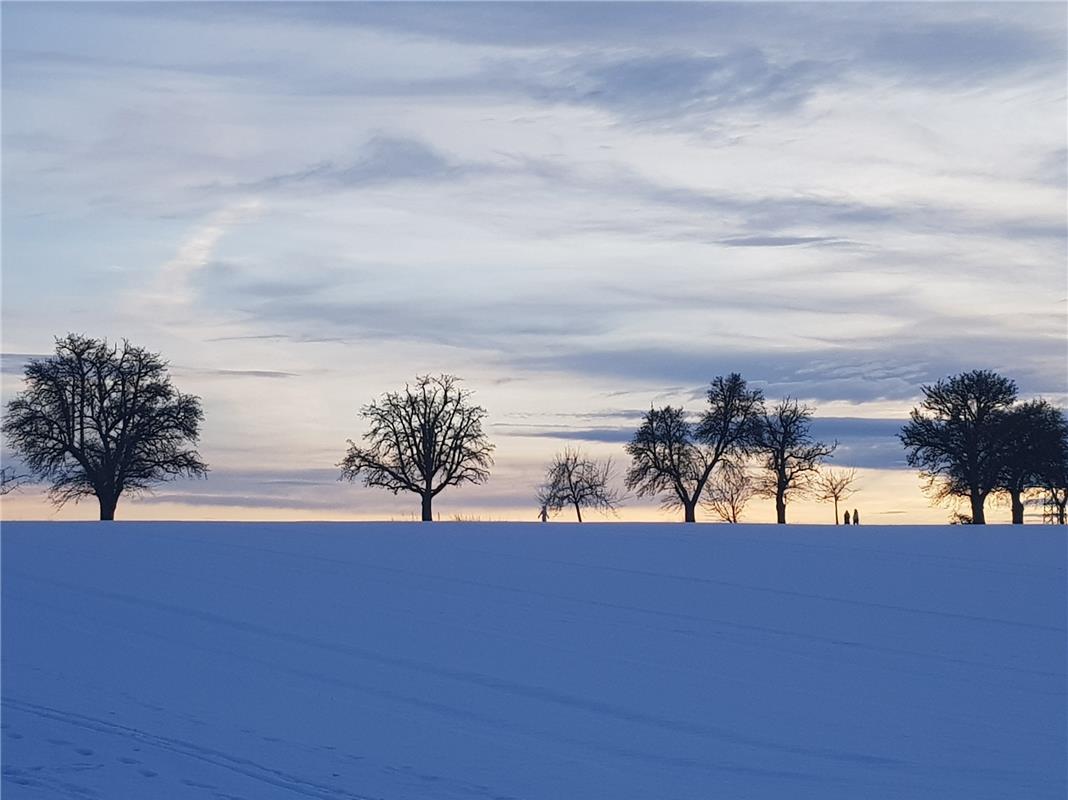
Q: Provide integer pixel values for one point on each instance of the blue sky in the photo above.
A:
(581, 209)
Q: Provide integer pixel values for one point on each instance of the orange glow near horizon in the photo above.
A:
(886, 497)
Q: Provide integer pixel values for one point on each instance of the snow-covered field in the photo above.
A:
(259, 661)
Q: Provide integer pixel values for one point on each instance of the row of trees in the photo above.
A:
(970, 438)
(683, 461)
(99, 419)
(430, 436)
(576, 481)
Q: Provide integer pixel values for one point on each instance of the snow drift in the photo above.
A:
(259, 661)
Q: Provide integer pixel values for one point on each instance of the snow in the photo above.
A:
(456, 660)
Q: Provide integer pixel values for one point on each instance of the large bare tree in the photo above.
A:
(102, 419)
(574, 480)
(790, 456)
(421, 440)
(673, 457)
(833, 485)
(728, 492)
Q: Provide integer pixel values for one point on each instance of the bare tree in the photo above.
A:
(421, 440)
(577, 481)
(834, 485)
(671, 456)
(728, 492)
(11, 480)
(790, 455)
(100, 419)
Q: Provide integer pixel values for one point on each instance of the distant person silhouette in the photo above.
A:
(845, 518)
(543, 515)
(856, 517)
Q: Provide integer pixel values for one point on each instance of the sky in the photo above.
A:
(582, 209)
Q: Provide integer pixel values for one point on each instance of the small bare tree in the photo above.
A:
(728, 491)
(789, 453)
(835, 485)
(11, 480)
(99, 419)
(574, 480)
(421, 440)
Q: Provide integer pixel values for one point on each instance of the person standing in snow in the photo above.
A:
(845, 517)
(856, 517)
(543, 515)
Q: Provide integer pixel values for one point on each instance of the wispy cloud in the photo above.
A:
(172, 284)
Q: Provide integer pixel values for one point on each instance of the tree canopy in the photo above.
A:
(574, 480)
(674, 457)
(959, 436)
(789, 454)
(102, 419)
(422, 439)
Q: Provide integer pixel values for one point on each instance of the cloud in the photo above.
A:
(385, 159)
(891, 370)
(964, 49)
(863, 442)
(15, 363)
(234, 373)
(615, 435)
(778, 241)
(173, 283)
(645, 86)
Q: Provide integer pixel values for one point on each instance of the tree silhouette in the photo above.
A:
(958, 437)
(1054, 478)
(574, 480)
(1035, 433)
(100, 419)
(421, 440)
(671, 456)
(11, 480)
(835, 485)
(1055, 484)
(790, 455)
(728, 492)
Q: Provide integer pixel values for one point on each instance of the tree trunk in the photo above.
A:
(427, 516)
(1061, 512)
(780, 509)
(978, 514)
(1017, 508)
(578, 512)
(836, 519)
(107, 506)
(690, 510)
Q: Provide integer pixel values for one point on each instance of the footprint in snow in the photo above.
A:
(148, 773)
(83, 751)
(128, 760)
